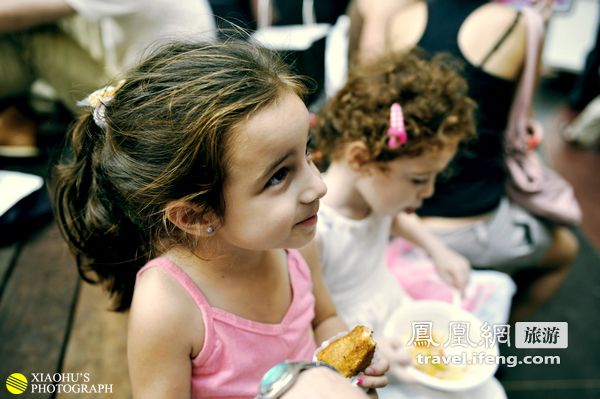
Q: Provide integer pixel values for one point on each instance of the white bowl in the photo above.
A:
(441, 314)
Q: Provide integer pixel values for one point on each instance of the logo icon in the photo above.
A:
(16, 383)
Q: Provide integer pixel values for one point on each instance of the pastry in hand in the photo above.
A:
(352, 353)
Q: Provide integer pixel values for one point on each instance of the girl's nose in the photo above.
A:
(315, 187)
(429, 189)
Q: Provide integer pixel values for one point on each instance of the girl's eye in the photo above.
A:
(277, 177)
(419, 181)
(308, 154)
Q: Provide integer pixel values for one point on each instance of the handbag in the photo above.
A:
(530, 183)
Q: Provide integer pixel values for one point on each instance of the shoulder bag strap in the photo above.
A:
(516, 136)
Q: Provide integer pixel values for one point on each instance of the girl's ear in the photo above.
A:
(191, 218)
(357, 155)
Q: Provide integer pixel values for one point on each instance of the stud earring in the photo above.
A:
(210, 230)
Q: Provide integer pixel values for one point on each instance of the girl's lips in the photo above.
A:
(309, 222)
(413, 209)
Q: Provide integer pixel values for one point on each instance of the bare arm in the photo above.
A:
(17, 15)
(327, 323)
(159, 347)
(375, 16)
(451, 266)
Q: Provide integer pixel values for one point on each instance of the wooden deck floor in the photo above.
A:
(52, 323)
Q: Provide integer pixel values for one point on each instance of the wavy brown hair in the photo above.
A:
(168, 127)
(432, 94)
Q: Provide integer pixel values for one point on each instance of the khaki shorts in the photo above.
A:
(510, 239)
(47, 52)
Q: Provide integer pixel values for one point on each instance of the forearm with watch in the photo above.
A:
(296, 380)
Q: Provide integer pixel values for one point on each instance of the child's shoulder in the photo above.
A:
(162, 307)
(165, 331)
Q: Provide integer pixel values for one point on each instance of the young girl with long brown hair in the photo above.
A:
(187, 182)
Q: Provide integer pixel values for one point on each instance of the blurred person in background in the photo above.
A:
(76, 46)
(470, 210)
(583, 104)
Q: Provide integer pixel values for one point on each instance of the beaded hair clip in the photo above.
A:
(98, 100)
(397, 132)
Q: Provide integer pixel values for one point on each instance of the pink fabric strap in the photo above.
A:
(180, 276)
(194, 292)
(520, 111)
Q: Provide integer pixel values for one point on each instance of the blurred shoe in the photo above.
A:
(584, 130)
(17, 134)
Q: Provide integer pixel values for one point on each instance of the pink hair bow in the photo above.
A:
(397, 132)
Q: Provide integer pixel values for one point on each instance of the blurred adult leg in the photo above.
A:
(536, 290)
(588, 84)
(15, 79)
(49, 53)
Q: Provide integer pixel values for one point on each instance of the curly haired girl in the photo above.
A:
(387, 134)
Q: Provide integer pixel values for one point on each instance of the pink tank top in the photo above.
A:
(237, 352)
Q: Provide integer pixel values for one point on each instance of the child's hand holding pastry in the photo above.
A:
(374, 376)
(355, 356)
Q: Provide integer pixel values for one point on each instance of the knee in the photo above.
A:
(569, 243)
(564, 248)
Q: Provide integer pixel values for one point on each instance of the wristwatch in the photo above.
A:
(281, 377)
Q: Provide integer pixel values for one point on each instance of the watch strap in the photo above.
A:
(310, 365)
(284, 381)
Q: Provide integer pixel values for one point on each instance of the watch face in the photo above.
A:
(273, 375)
(279, 379)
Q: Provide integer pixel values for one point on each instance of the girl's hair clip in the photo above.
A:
(397, 132)
(98, 100)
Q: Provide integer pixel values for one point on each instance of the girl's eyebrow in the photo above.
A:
(274, 165)
(278, 162)
(427, 172)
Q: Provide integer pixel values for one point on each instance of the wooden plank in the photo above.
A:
(98, 344)
(36, 309)
(7, 255)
